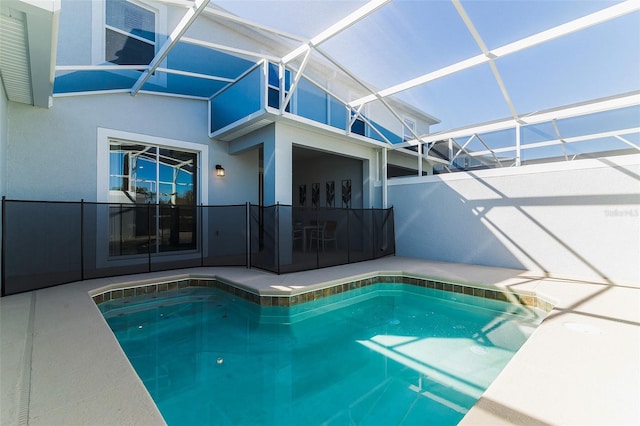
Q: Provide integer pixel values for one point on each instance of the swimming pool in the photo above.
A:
(384, 354)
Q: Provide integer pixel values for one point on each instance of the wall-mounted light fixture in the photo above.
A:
(219, 170)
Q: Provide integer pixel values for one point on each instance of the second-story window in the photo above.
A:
(408, 128)
(273, 95)
(130, 33)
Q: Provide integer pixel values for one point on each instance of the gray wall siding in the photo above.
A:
(578, 219)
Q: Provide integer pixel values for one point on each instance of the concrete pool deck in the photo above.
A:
(60, 364)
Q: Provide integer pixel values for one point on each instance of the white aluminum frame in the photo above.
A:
(587, 21)
(189, 18)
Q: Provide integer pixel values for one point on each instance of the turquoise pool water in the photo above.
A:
(387, 354)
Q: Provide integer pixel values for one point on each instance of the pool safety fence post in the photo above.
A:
(277, 215)
(4, 226)
(149, 236)
(393, 230)
(348, 237)
(201, 235)
(82, 239)
(373, 234)
(311, 236)
(120, 224)
(247, 240)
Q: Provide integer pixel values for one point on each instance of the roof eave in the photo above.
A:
(40, 42)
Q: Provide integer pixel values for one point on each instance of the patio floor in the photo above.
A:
(60, 363)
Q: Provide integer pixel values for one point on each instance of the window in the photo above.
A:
(273, 94)
(408, 128)
(153, 194)
(358, 127)
(130, 33)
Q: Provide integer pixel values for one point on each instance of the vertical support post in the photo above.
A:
(120, 226)
(317, 240)
(4, 245)
(373, 234)
(264, 85)
(518, 157)
(450, 152)
(283, 85)
(82, 239)
(347, 113)
(419, 146)
(384, 178)
(393, 231)
(149, 236)
(277, 215)
(247, 242)
(348, 212)
(202, 234)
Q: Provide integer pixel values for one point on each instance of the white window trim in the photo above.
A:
(99, 23)
(106, 136)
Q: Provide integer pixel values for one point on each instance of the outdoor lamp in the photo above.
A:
(219, 170)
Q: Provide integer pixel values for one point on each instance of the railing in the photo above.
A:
(237, 100)
(250, 93)
(47, 243)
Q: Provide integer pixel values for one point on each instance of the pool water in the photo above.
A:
(387, 354)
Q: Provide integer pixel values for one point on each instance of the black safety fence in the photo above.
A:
(46, 243)
(289, 239)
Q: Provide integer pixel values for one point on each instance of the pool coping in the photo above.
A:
(285, 298)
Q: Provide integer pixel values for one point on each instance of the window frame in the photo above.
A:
(104, 140)
(107, 136)
(409, 122)
(99, 27)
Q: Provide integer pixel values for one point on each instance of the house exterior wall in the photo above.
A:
(3, 148)
(578, 219)
(3, 141)
(75, 19)
(54, 151)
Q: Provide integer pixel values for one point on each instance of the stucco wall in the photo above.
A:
(578, 219)
(3, 141)
(3, 147)
(54, 152)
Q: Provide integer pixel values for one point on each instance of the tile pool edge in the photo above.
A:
(288, 296)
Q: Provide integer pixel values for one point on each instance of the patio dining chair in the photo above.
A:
(326, 234)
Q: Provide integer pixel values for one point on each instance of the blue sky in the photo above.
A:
(405, 39)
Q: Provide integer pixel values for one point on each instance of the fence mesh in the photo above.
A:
(50, 243)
